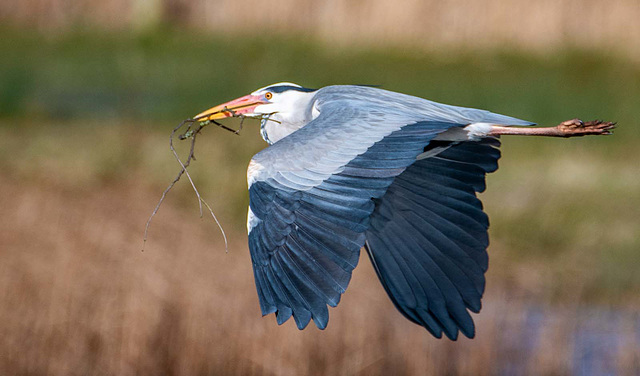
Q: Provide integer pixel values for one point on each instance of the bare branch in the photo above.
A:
(192, 133)
(189, 133)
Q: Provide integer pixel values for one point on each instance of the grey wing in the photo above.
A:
(427, 237)
(312, 195)
(330, 141)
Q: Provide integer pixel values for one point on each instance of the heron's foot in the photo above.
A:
(576, 128)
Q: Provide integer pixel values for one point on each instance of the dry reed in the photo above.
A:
(531, 25)
(77, 297)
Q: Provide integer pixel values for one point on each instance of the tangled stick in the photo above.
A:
(190, 133)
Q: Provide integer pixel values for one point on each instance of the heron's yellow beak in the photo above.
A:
(241, 106)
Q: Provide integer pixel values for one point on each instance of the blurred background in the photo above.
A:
(90, 91)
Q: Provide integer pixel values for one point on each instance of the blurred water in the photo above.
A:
(596, 343)
(598, 339)
(521, 342)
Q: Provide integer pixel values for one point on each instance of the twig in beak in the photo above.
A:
(193, 134)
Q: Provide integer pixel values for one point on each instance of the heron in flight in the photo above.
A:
(352, 167)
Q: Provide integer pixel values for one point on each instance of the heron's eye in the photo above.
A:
(268, 95)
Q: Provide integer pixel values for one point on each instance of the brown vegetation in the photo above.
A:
(538, 25)
(79, 297)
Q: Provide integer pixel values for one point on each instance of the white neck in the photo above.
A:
(290, 113)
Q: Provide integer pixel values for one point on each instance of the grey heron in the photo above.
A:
(352, 167)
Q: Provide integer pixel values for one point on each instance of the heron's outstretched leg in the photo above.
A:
(569, 128)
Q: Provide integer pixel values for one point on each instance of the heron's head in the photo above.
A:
(283, 107)
(279, 101)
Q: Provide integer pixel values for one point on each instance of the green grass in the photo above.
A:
(88, 109)
(164, 75)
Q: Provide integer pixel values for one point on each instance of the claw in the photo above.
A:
(576, 127)
(573, 123)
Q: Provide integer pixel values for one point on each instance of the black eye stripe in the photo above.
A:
(283, 88)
